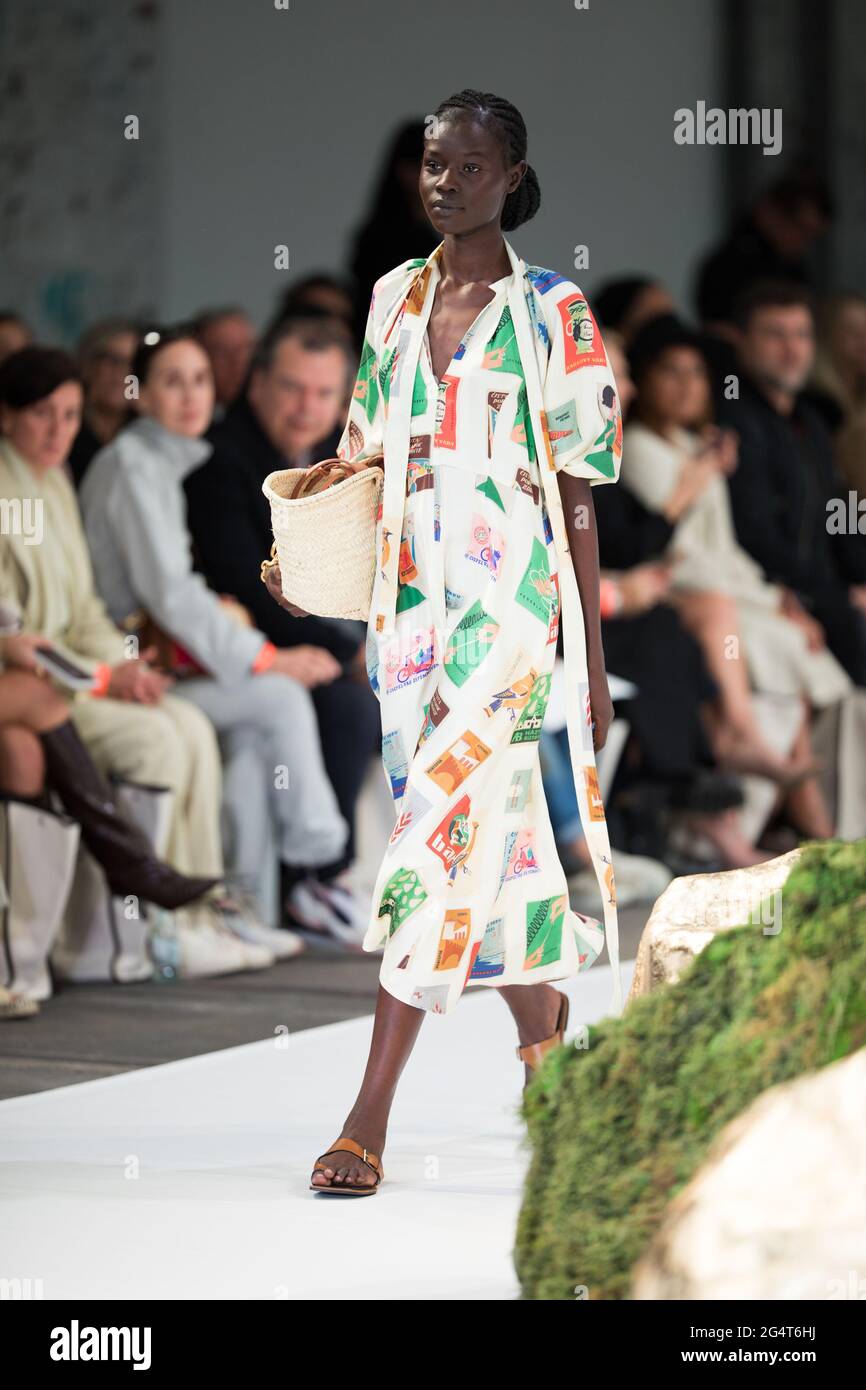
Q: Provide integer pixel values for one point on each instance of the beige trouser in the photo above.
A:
(171, 744)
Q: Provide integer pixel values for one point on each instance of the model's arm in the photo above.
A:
(579, 512)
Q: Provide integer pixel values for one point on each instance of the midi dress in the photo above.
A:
(471, 890)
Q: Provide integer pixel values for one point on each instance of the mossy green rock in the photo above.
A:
(618, 1127)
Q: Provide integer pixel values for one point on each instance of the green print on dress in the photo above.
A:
(529, 724)
(367, 384)
(544, 921)
(500, 351)
(403, 894)
(522, 432)
(419, 393)
(470, 642)
(489, 488)
(602, 451)
(536, 590)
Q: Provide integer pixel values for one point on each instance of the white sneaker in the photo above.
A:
(330, 909)
(239, 914)
(207, 947)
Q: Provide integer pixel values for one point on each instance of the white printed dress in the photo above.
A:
(471, 890)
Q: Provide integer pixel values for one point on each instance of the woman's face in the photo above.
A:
(464, 180)
(107, 372)
(179, 390)
(849, 336)
(43, 432)
(676, 388)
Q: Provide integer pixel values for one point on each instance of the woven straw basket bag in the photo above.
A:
(324, 524)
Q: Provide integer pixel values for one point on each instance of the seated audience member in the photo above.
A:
(105, 360)
(645, 642)
(228, 337)
(626, 304)
(14, 333)
(129, 722)
(677, 465)
(837, 386)
(277, 793)
(318, 295)
(290, 415)
(770, 241)
(790, 506)
(40, 747)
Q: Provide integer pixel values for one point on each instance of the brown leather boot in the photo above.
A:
(121, 848)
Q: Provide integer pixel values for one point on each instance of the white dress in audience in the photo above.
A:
(708, 556)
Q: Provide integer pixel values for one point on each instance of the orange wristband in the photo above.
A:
(265, 658)
(609, 598)
(102, 680)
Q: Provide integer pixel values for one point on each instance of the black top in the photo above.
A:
(229, 519)
(779, 494)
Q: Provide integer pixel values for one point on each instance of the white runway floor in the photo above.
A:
(189, 1181)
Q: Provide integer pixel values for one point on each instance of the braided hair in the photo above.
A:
(509, 127)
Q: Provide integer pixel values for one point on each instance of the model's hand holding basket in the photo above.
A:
(324, 524)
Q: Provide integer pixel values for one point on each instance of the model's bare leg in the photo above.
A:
(395, 1028)
(535, 1009)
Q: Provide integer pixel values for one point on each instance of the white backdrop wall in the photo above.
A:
(275, 121)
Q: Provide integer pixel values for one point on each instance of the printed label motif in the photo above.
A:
(596, 806)
(544, 923)
(414, 807)
(486, 546)
(586, 721)
(454, 838)
(432, 998)
(454, 765)
(456, 931)
(517, 796)
(408, 658)
(529, 725)
(396, 762)
(434, 713)
(536, 589)
(469, 643)
(446, 413)
(581, 338)
(402, 895)
(553, 627)
(525, 483)
(519, 856)
(494, 405)
(490, 960)
(562, 428)
(514, 697)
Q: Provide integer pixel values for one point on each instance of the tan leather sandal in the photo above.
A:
(349, 1189)
(533, 1053)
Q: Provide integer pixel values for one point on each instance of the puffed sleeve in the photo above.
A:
(363, 431)
(581, 402)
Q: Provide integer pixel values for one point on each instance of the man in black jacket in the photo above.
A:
(289, 416)
(786, 495)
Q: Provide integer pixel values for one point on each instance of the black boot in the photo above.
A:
(120, 847)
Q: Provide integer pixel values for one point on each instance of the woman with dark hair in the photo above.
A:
(677, 464)
(396, 224)
(45, 576)
(486, 384)
(256, 695)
